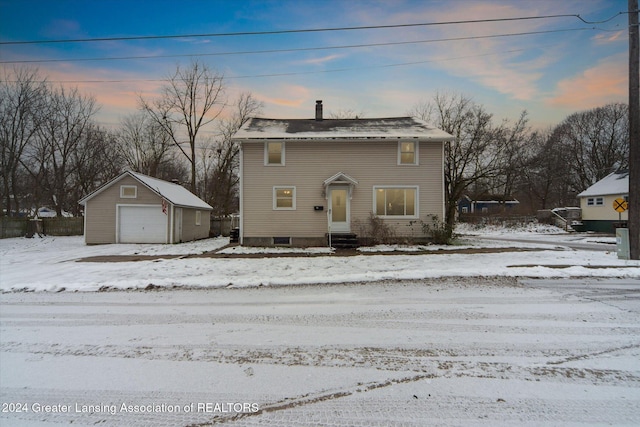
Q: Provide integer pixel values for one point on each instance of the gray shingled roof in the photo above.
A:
(381, 128)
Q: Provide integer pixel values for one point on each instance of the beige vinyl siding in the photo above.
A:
(191, 231)
(309, 163)
(604, 212)
(100, 211)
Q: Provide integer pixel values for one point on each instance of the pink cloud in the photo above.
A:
(322, 60)
(489, 62)
(294, 96)
(605, 83)
(606, 38)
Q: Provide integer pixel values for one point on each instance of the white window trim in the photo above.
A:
(198, 217)
(266, 154)
(599, 201)
(416, 213)
(416, 156)
(275, 197)
(135, 190)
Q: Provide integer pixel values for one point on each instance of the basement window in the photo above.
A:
(282, 240)
(128, 191)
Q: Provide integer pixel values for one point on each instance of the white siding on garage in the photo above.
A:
(142, 224)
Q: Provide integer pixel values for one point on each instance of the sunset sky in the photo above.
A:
(569, 65)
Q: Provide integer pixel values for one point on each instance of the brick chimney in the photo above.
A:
(319, 110)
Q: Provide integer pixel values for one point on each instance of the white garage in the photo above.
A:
(142, 224)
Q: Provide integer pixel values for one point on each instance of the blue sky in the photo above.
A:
(568, 66)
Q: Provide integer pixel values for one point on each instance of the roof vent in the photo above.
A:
(319, 109)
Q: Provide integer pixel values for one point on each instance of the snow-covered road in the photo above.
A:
(451, 351)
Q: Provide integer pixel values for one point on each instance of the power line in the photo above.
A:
(305, 49)
(335, 70)
(307, 30)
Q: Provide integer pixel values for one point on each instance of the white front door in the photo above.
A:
(339, 210)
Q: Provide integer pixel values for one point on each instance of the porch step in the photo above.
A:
(344, 240)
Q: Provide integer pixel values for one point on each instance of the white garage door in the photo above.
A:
(142, 224)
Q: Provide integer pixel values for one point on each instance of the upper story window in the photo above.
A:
(274, 153)
(128, 191)
(407, 153)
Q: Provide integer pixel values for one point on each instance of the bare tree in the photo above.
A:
(546, 177)
(22, 94)
(598, 142)
(345, 114)
(191, 99)
(511, 140)
(221, 175)
(67, 118)
(143, 144)
(476, 153)
(95, 161)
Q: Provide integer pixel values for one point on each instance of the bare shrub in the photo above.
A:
(374, 231)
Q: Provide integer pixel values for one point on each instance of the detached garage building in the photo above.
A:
(135, 208)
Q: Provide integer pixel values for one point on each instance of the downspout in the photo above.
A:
(171, 223)
(84, 219)
(329, 226)
(241, 222)
(444, 190)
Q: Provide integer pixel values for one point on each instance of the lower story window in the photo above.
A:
(198, 217)
(595, 201)
(284, 198)
(396, 201)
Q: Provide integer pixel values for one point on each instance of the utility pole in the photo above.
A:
(634, 134)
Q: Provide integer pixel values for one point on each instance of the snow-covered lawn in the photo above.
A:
(52, 263)
(429, 335)
(539, 232)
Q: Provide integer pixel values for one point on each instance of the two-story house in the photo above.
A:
(302, 180)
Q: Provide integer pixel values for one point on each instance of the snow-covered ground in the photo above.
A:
(448, 352)
(52, 263)
(429, 335)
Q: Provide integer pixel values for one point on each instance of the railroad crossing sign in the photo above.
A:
(620, 205)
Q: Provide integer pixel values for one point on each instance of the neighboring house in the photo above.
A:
(46, 213)
(135, 208)
(596, 202)
(487, 205)
(301, 179)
